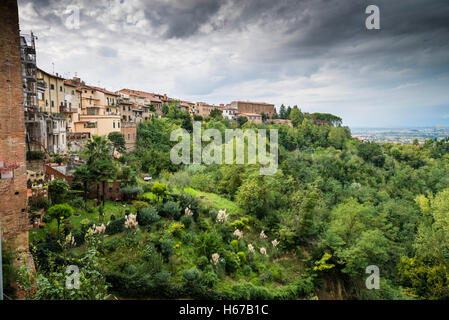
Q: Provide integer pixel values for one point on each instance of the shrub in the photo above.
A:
(209, 279)
(202, 262)
(171, 209)
(191, 275)
(152, 258)
(112, 244)
(246, 270)
(132, 191)
(40, 203)
(208, 243)
(9, 271)
(115, 226)
(147, 216)
(162, 278)
(78, 235)
(167, 248)
(187, 221)
(139, 205)
(242, 257)
(35, 155)
(77, 203)
(186, 200)
(180, 179)
(235, 245)
(232, 261)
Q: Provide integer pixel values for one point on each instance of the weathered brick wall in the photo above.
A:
(129, 131)
(13, 192)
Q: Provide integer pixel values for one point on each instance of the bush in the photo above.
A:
(180, 179)
(202, 262)
(167, 248)
(162, 278)
(147, 216)
(35, 155)
(132, 191)
(235, 245)
(112, 244)
(191, 275)
(171, 209)
(139, 205)
(40, 203)
(209, 279)
(242, 257)
(9, 271)
(152, 258)
(77, 203)
(115, 226)
(186, 200)
(187, 221)
(208, 243)
(232, 261)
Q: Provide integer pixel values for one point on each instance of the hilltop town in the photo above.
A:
(88, 187)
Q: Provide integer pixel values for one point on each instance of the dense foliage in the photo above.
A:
(334, 207)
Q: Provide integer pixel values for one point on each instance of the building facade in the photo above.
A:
(204, 109)
(253, 107)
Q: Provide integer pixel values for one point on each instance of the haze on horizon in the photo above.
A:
(312, 53)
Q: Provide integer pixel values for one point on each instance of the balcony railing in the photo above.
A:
(64, 109)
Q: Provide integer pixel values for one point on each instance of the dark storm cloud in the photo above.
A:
(183, 18)
(314, 53)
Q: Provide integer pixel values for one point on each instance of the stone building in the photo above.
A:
(13, 173)
(204, 109)
(252, 107)
(129, 131)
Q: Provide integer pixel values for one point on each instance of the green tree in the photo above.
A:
(98, 148)
(296, 116)
(103, 171)
(60, 212)
(159, 190)
(337, 137)
(57, 190)
(84, 175)
(118, 141)
(252, 196)
(241, 120)
(216, 113)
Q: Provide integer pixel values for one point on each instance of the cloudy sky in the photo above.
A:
(316, 54)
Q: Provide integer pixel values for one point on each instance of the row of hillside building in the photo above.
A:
(61, 114)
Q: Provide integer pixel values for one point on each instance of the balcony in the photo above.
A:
(41, 85)
(64, 109)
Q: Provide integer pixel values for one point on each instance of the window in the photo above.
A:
(73, 92)
(52, 86)
(124, 108)
(118, 123)
(52, 103)
(113, 124)
(129, 136)
(46, 102)
(60, 89)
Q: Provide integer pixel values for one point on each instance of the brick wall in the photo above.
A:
(13, 188)
(129, 131)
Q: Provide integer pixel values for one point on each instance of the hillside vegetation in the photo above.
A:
(334, 207)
